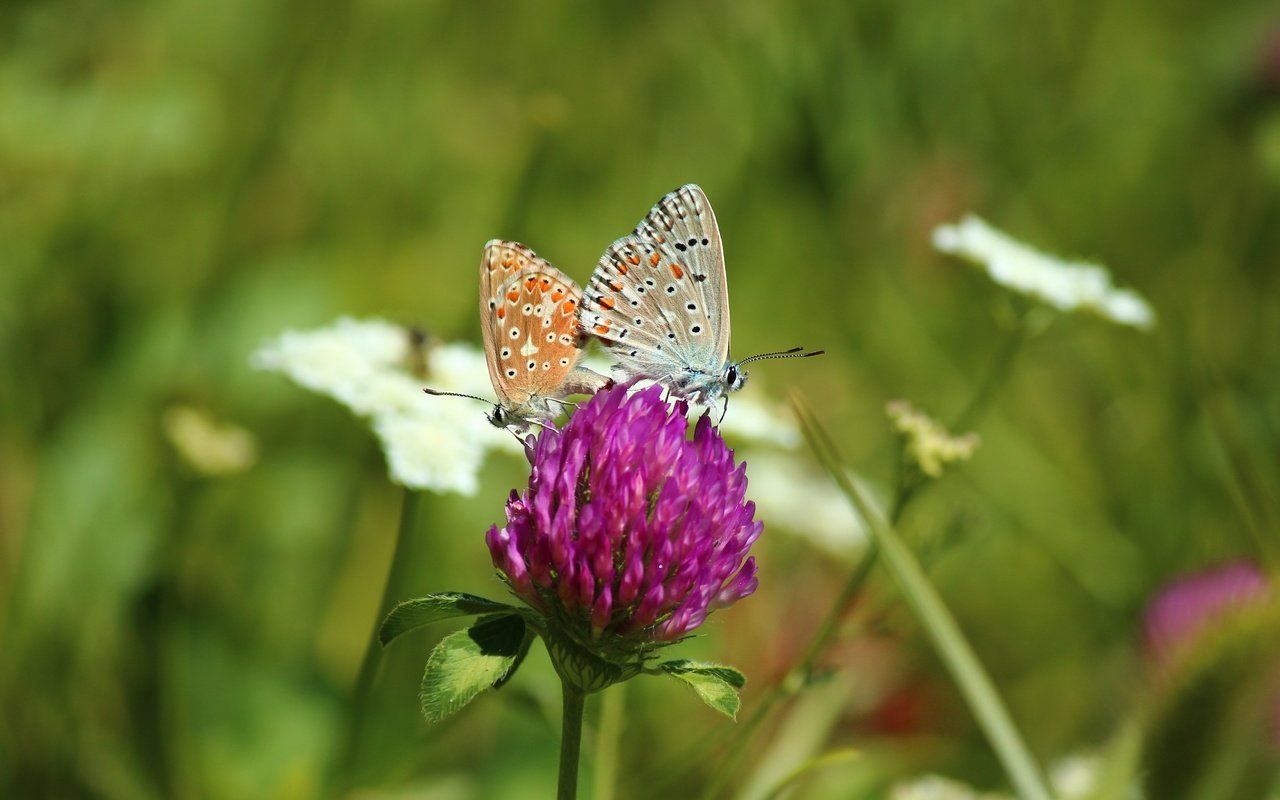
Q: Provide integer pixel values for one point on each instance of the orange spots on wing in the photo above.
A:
(621, 267)
(508, 261)
(513, 295)
(502, 313)
(615, 285)
(557, 295)
(606, 303)
(546, 284)
(677, 271)
(634, 259)
(530, 282)
(660, 239)
(569, 305)
(602, 329)
(654, 259)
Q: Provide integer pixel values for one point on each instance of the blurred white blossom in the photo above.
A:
(1065, 285)
(927, 443)
(210, 447)
(793, 495)
(1072, 778)
(435, 443)
(936, 787)
(754, 420)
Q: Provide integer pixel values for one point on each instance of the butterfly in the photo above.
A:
(528, 319)
(659, 302)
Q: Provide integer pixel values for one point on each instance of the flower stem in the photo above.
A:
(953, 649)
(570, 741)
(997, 373)
(360, 694)
(609, 732)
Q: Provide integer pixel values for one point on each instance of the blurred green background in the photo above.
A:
(180, 180)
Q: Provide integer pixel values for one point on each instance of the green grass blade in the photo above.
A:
(954, 650)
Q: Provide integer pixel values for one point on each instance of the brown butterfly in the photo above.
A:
(532, 343)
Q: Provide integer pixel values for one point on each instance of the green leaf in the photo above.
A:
(716, 684)
(467, 662)
(522, 650)
(412, 614)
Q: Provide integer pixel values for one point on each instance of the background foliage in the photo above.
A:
(179, 180)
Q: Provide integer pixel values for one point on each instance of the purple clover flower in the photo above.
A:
(630, 533)
(1186, 607)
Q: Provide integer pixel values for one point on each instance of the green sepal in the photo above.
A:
(716, 684)
(584, 669)
(467, 662)
(412, 614)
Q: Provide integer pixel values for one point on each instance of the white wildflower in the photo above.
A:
(432, 443)
(936, 787)
(928, 445)
(1065, 285)
(756, 421)
(1072, 778)
(797, 498)
(1076, 778)
(210, 447)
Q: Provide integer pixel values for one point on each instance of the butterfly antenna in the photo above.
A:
(438, 393)
(794, 352)
(564, 403)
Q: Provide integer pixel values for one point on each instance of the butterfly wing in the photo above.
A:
(658, 299)
(528, 311)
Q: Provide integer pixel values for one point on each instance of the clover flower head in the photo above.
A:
(368, 366)
(630, 533)
(1190, 605)
(1065, 285)
(928, 445)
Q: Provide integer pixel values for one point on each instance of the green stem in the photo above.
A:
(391, 590)
(953, 649)
(608, 735)
(570, 741)
(996, 375)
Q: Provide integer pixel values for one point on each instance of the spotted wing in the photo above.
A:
(531, 333)
(658, 298)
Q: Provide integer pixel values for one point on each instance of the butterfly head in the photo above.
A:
(498, 417)
(735, 377)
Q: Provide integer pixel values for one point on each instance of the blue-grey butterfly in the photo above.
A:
(659, 302)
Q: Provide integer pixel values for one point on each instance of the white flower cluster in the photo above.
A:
(1065, 285)
(928, 444)
(430, 442)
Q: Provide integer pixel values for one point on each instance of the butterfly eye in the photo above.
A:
(498, 418)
